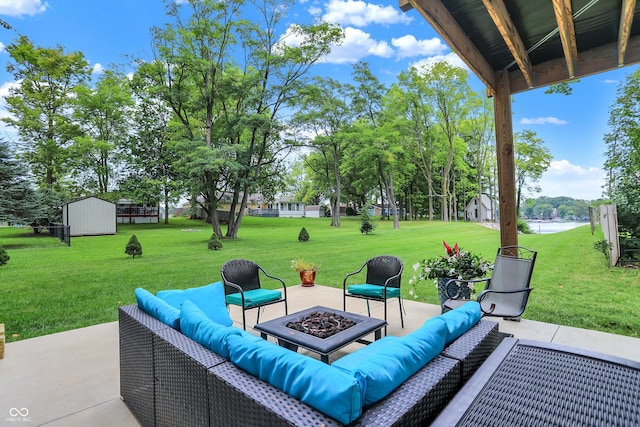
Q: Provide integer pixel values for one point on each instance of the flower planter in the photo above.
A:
(308, 277)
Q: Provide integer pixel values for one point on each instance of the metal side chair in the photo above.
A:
(384, 274)
(242, 287)
(507, 290)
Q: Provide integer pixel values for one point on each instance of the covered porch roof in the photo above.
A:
(518, 45)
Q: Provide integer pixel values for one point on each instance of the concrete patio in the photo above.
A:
(72, 378)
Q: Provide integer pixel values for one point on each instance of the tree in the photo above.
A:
(366, 224)
(303, 236)
(4, 256)
(622, 157)
(40, 106)
(133, 247)
(214, 242)
(18, 200)
(103, 114)
(531, 159)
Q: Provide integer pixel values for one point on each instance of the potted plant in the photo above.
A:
(307, 270)
(456, 264)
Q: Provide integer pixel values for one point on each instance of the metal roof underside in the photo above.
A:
(538, 42)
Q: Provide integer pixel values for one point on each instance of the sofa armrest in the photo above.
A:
(137, 329)
(473, 347)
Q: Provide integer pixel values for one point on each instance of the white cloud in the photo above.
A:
(315, 11)
(2, 46)
(409, 46)
(566, 179)
(360, 14)
(97, 69)
(542, 121)
(610, 81)
(357, 45)
(22, 7)
(452, 58)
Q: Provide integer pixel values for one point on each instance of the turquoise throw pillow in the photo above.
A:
(317, 384)
(200, 328)
(393, 361)
(460, 320)
(254, 297)
(157, 308)
(376, 291)
(209, 298)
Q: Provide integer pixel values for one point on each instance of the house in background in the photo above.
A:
(314, 211)
(482, 209)
(90, 216)
(129, 212)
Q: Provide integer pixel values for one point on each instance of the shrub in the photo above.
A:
(4, 256)
(214, 242)
(523, 226)
(133, 247)
(603, 246)
(303, 236)
(366, 224)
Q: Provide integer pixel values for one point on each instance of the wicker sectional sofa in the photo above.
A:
(167, 379)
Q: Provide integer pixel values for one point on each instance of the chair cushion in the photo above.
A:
(209, 298)
(254, 297)
(200, 328)
(158, 308)
(460, 320)
(388, 364)
(317, 384)
(375, 291)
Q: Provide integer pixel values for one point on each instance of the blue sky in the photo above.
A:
(112, 31)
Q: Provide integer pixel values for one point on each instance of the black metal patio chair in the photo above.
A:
(242, 287)
(384, 274)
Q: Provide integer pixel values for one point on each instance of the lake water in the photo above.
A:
(553, 227)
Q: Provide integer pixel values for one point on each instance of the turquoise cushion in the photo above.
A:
(254, 297)
(200, 328)
(157, 308)
(461, 319)
(393, 361)
(373, 291)
(317, 384)
(209, 298)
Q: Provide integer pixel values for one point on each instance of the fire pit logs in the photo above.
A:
(321, 324)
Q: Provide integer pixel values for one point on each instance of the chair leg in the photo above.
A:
(244, 320)
(368, 310)
(258, 318)
(401, 308)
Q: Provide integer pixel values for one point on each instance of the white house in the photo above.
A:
(287, 207)
(481, 210)
(314, 211)
(90, 216)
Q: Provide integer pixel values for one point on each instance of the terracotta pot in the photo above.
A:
(308, 277)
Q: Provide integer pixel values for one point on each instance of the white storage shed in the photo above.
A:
(90, 216)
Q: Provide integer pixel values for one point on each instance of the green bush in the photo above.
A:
(303, 236)
(523, 226)
(4, 256)
(214, 242)
(366, 224)
(133, 247)
(603, 246)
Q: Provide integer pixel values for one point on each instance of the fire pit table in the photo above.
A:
(321, 330)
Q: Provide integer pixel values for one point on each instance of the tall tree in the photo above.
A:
(18, 200)
(622, 157)
(103, 113)
(531, 160)
(40, 106)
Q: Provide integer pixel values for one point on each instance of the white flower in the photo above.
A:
(416, 266)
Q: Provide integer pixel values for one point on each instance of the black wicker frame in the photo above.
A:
(383, 270)
(532, 383)
(167, 379)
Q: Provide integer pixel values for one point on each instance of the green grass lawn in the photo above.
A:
(48, 287)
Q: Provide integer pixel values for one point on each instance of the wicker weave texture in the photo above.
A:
(473, 347)
(545, 387)
(136, 330)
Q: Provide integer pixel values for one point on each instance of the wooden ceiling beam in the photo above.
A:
(437, 15)
(597, 60)
(626, 19)
(564, 18)
(500, 16)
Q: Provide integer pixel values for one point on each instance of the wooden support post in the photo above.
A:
(506, 166)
